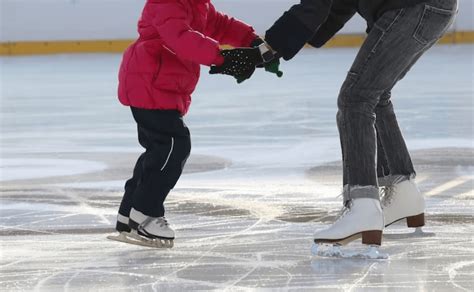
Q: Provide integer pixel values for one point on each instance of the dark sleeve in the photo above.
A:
(340, 13)
(296, 26)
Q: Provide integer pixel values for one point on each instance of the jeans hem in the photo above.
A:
(357, 192)
(391, 180)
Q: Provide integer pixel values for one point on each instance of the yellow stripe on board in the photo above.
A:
(461, 37)
(345, 41)
(56, 47)
(117, 46)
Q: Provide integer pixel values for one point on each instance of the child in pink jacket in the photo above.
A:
(157, 76)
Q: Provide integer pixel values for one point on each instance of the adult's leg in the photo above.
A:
(396, 161)
(396, 164)
(396, 41)
(382, 165)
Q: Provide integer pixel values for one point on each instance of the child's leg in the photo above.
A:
(167, 142)
(130, 187)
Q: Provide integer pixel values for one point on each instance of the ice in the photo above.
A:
(12, 169)
(263, 176)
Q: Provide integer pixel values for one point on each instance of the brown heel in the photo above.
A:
(372, 237)
(416, 221)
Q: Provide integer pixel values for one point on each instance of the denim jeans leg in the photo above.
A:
(397, 40)
(397, 158)
(382, 164)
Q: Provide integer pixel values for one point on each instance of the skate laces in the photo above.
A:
(386, 194)
(162, 222)
(344, 210)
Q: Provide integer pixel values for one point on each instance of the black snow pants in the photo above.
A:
(167, 141)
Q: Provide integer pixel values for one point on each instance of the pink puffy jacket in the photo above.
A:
(160, 70)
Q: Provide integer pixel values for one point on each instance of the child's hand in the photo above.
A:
(240, 63)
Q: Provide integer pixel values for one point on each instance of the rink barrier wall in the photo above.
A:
(118, 46)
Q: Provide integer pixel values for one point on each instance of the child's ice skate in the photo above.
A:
(122, 223)
(146, 231)
(363, 218)
(121, 227)
(401, 201)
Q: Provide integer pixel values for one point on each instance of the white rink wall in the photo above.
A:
(55, 20)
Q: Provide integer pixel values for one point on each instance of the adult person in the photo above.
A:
(373, 149)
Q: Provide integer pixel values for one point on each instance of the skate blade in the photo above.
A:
(335, 251)
(343, 241)
(418, 233)
(131, 238)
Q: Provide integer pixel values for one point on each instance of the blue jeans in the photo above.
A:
(373, 148)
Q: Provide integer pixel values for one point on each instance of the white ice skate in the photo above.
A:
(122, 223)
(147, 231)
(362, 218)
(403, 201)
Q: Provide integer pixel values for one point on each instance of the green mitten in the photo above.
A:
(274, 67)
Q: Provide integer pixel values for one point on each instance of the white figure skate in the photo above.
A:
(401, 201)
(363, 218)
(122, 223)
(146, 231)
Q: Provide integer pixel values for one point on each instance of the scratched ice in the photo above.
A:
(264, 175)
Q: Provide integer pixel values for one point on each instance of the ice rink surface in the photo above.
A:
(263, 176)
